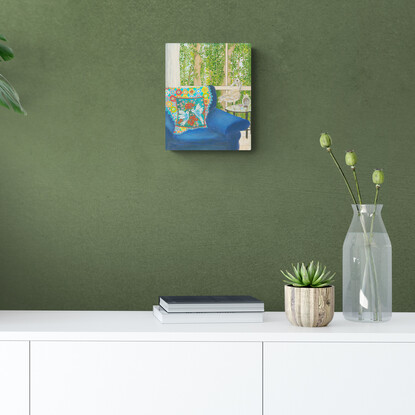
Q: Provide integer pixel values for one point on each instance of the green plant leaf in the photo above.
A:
(290, 277)
(6, 53)
(332, 276)
(321, 278)
(2, 37)
(297, 271)
(303, 271)
(323, 272)
(304, 275)
(311, 270)
(317, 280)
(318, 269)
(285, 275)
(9, 97)
(329, 279)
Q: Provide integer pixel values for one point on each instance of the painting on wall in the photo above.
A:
(208, 96)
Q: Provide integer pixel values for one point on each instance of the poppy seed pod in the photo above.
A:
(378, 177)
(325, 140)
(351, 158)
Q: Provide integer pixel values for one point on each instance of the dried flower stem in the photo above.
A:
(341, 172)
(378, 311)
(357, 184)
(373, 216)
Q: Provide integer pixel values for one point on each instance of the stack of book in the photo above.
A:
(209, 309)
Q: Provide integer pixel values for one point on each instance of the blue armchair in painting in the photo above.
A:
(194, 123)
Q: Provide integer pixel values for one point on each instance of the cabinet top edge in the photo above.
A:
(142, 326)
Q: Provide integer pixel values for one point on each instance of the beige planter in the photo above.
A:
(309, 307)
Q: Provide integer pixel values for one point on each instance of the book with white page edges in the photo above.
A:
(211, 304)
(226, 317)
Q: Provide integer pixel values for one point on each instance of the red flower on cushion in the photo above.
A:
(189, 105)
(192, 120)
(178, 92)
(172, 98)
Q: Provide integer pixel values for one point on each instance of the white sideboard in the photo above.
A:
(124, 363)
(130, 378)
(342, 378)
(14, 378)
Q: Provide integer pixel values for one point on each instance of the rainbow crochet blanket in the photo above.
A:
(189, 107)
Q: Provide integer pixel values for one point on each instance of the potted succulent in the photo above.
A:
(309, 295)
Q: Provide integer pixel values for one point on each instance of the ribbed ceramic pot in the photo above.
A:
(309, 307)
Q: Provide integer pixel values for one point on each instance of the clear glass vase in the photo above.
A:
(367, 267)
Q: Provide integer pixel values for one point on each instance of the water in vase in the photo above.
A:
(367, 267)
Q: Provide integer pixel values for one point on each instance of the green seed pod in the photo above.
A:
(325, 140)
(351, 158)
(378, 177)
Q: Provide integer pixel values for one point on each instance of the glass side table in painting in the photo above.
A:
(241, 109)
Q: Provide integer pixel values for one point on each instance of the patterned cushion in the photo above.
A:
(191, 112)
(175, 97)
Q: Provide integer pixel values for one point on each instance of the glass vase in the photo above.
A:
(367, 267)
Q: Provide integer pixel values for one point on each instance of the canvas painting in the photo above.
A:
(208, 96)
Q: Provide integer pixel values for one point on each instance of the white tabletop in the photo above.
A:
(142, 326)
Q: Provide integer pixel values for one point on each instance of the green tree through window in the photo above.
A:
(205, 64)
(240, 63)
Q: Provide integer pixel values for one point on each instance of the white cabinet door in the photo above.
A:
(130, 378)
(14, 378)
(339, 378)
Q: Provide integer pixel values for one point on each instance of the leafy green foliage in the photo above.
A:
(214, 63)
(8, 95)
(241, 63)
(187, 59)
(213, 58)
(308, 276)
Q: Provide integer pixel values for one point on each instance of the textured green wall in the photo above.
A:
(95, 214)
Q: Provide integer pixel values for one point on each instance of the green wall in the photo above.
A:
(95, 214)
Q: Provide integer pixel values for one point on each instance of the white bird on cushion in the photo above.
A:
(198, 111)
(231, 96)
(183, 117)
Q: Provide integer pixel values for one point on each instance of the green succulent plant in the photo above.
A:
(309, 276)
(9, 97)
